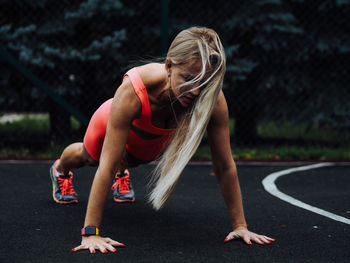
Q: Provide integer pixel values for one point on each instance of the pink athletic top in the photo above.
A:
(145, 149)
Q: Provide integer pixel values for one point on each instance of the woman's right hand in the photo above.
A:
(97, 242)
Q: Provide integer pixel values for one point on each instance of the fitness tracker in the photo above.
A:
(90, 231)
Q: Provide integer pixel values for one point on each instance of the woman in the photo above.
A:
(158, 107)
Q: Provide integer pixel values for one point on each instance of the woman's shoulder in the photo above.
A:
(152, 74)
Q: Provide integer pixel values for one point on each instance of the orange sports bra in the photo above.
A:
(142, 148)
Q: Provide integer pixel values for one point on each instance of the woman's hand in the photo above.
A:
(247, 236)
(97, 242)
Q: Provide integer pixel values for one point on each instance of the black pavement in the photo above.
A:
(190, 228)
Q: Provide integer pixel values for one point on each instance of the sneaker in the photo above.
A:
(62, 187)
(123, 191)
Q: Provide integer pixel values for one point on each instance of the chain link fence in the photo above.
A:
(287, 79)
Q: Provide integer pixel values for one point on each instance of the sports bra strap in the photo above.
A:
(144, 122)
(141, 92)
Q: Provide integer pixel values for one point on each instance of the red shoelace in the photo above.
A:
(66, 186)
(123, 183)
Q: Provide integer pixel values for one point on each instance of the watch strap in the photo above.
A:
(90, 231)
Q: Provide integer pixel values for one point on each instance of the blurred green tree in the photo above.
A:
(288, 61)
(260, 51)
(323, 73)
(69, 45)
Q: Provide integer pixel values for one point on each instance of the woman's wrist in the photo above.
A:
(240, 226)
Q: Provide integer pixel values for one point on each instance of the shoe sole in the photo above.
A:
(53, 193)
(123, 200)
(63, 202)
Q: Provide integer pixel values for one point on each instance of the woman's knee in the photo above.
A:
(87, 157)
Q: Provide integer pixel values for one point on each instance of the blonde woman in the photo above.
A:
(158, 110)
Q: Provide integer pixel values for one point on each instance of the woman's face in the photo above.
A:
(177, 76)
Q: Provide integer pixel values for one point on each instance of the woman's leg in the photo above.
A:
(79, 154)
(74, 156)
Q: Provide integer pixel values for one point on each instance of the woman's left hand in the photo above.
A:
(248, 236)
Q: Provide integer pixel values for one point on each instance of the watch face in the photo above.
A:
(89, 231)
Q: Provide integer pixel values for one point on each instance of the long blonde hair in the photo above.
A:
(193, 44)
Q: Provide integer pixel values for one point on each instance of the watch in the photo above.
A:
(90, 231)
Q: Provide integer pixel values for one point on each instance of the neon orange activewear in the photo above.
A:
(141, 148)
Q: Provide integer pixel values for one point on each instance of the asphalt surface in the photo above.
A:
(190, 228)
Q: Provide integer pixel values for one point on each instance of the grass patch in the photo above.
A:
(289, 130)
(50, 152)
(281, 153)
(31, 123)
(39, 124)
(36, 123)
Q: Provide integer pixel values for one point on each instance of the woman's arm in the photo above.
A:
(223, 163)
(226, 173)
(125, 108)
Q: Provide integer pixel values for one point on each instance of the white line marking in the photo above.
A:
(270, 186)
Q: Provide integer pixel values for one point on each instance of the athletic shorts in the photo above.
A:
(96, 131)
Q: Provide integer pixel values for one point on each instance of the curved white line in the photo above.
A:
(270, 186)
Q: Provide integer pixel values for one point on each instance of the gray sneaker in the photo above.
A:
(122, 188)
(62, 187)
